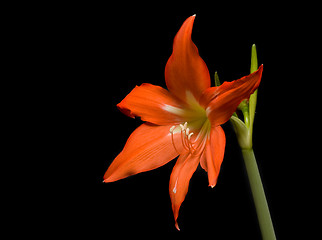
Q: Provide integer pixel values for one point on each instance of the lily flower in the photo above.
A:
(182, 121)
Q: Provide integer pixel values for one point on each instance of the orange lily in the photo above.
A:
(182, 121)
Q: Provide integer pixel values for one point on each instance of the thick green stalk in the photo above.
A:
(244, 133)
(263, 215)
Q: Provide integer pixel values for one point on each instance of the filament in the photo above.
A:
(196, 146)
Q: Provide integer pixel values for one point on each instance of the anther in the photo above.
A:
(184, 126)
(172, 129)
(189, 136)
(187, 131)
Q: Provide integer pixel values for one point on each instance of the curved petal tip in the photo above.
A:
(177, 226)
(185, 70)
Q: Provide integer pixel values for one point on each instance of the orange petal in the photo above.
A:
(185, 70)
(214, 154)
(221, 102)
(181, 174)
(153, 104)
(147, 148)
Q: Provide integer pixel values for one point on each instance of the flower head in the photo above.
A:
(182, 121)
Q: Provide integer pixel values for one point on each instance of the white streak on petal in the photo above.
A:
(208, 110)
(175, 187)
(174, 110)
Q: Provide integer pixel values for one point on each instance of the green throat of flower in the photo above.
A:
(194, 133)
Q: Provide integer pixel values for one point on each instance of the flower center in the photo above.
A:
(191, 143)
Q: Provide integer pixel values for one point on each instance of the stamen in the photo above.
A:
(196, 146)
(187, 131)
(200, 147)
(203, 133)
(189, 136)
(183, 140)
(172, 129)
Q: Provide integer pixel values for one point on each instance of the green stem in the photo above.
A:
(263, 215)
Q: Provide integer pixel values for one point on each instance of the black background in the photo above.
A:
(99, 53)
